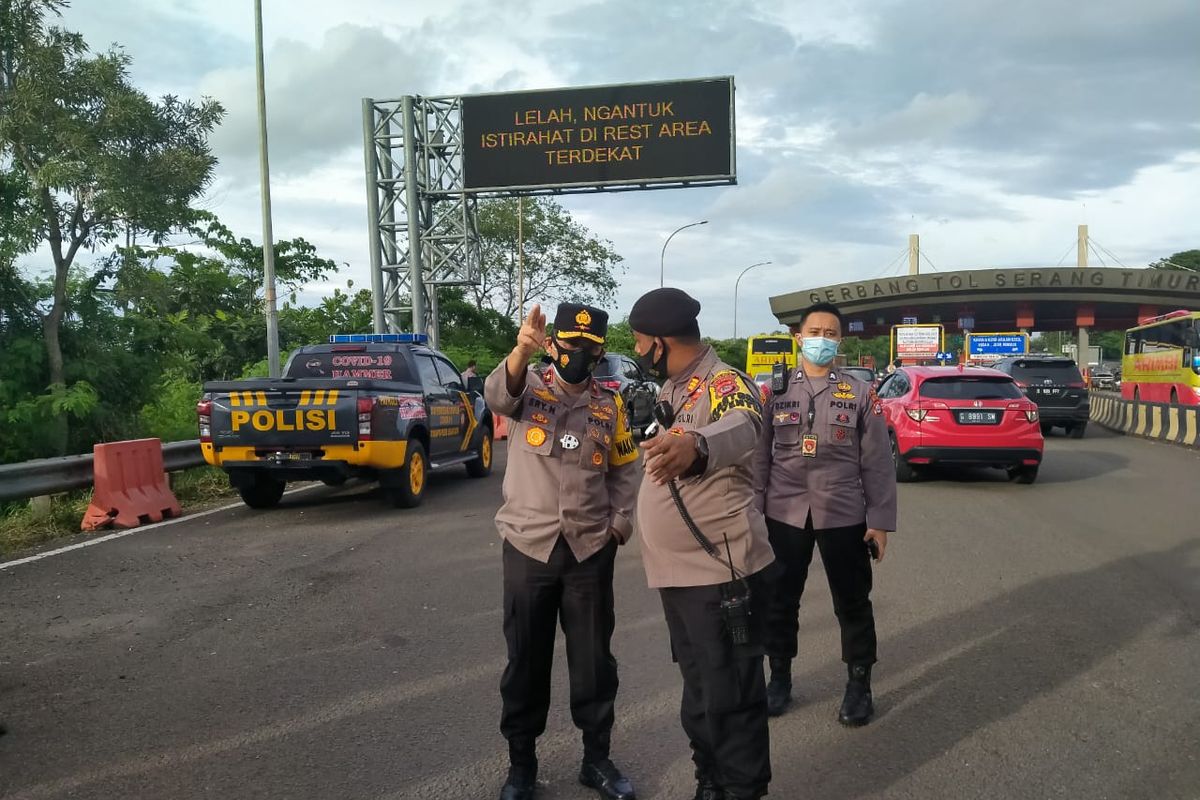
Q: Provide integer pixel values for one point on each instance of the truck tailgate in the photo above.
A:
(289, 418)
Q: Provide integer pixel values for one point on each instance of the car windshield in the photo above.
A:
(967, 388)
(606, 367)
(1046, 372)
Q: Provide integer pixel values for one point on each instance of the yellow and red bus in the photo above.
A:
(1162, 360)
(764, 352)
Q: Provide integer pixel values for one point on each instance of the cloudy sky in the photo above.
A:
(989, 127)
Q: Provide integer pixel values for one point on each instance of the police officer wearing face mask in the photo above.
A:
(824, 476)
(569, 494)
(714, 596)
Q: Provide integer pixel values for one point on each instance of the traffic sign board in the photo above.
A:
(994, 346)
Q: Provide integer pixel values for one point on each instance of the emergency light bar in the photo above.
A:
(378, 338)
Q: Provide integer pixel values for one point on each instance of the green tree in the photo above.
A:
(562, 260)
(1188, 260)
(99, 159)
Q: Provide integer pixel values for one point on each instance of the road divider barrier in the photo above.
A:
(1161, 421)
(130, 486)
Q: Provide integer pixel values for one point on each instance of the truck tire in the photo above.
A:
(1078, 429)
(408, 488)
(263, 493)
(481, 466)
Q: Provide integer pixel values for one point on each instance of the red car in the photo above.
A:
(961, 415)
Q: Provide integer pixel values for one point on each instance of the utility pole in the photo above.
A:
(264, 172)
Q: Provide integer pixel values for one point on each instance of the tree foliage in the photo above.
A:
(562, 259)
(1187, 260)
(86, 157)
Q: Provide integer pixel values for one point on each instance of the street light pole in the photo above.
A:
(661, 256)
(735, 292)
(264, 171)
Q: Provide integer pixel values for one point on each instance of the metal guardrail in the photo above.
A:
(45, 476)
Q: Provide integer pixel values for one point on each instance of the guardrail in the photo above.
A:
(1163, 422)
(45, 476)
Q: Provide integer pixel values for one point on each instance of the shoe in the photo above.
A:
(707, 789)
(857, 706)
(779, 688)
(520, 783)
(605, 778)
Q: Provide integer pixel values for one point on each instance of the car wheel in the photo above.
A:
(1023, 473)
(265, 492)
(904, 471)
(1047, 428)
(1078, 430)
(410, 480)
(481, 465)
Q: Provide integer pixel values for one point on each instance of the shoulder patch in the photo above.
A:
(728, 390)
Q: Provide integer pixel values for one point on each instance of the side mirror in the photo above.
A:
(475, 384)
(1196, 364)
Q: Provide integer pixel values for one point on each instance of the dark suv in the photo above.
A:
(1055, 384)
(640, 393)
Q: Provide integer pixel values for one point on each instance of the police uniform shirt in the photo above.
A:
(825, 450)
(716, 401)
(571, 465)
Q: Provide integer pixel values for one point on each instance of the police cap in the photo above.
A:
(577, 321)
(666, 312)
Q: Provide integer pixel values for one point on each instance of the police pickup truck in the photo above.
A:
(379, 406)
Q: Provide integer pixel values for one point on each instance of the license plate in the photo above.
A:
(290, 456)
(1050, 392)
(978, 417)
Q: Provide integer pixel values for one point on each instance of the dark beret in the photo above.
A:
(577, 321)
(665, 312)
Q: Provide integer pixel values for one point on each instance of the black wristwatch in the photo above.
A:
(701, 464)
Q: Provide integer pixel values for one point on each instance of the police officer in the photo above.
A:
(824, 476)
(713, 594)
(569, 494)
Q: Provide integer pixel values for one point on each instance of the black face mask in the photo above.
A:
(575, 366)
(655, 367)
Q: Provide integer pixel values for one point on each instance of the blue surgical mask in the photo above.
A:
(818, 350)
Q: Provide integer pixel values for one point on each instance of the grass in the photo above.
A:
(23, 526)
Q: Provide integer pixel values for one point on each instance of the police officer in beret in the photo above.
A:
(824, 477)
(569, 493)
(712, 580)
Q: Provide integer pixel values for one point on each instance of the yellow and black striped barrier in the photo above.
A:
(1161, 421)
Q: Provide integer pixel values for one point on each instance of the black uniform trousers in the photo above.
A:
(848, 570)
(724, 706)
(537, 597)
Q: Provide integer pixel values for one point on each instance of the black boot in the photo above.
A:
(779, 688)
(522, 772)
(857, 706)
(605, 778)
(707, 789)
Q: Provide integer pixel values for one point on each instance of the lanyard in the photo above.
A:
(812, 411)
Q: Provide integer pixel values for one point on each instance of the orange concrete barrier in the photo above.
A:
(130, 486)
(501, 431)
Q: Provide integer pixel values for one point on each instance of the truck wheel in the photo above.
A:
(904, 471)
(410, 480)
(481, 466)
(263, 493)
(1078, 430)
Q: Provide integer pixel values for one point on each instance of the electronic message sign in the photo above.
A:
(600, 136)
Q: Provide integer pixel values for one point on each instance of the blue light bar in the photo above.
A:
(378, 338)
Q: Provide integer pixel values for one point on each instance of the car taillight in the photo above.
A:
(1021, 384)
(365, 406)
(204, 419)
(1031, 415)
(610, 384)
(916, 414)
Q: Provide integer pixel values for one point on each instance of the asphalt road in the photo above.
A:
(1035, 642)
